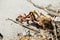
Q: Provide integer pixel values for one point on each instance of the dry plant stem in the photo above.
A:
(24, 25)
(47, 9)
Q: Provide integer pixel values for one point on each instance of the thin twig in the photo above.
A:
(24, 25)
(12, 20)
(47, 9)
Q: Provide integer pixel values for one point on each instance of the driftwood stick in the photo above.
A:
(47, 9)
(36, 30)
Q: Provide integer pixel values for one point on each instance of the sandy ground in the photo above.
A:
(12, 8)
